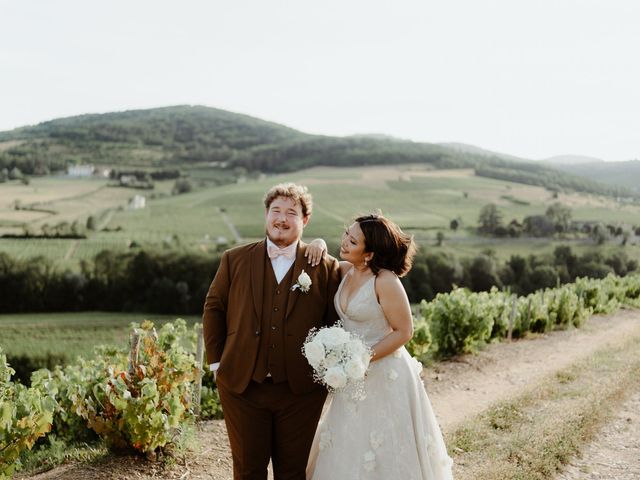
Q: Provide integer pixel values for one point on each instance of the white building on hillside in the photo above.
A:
(80, 170)
(138, 201)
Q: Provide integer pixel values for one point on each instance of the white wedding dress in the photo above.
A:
(391, 434)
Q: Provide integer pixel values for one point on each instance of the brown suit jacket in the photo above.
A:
(233, 310)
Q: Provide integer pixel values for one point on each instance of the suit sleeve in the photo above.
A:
(330, 315)
(214, 317)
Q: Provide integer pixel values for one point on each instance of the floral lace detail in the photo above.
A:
(393, 432)
(375, 440)
(325, 439)
(369, 462)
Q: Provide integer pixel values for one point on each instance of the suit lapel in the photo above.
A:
(257, 276)
(298, 266)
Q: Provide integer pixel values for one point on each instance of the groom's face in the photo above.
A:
(284, 221)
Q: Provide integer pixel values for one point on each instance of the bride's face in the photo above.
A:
(352, 248)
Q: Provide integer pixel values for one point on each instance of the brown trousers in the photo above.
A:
(267, 421)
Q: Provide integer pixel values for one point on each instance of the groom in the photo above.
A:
(257, 314)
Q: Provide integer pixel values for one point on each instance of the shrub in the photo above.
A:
(25, 415)
(460, 322)
(420, 343)
(141, 407)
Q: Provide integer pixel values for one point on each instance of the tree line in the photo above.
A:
(155, 282)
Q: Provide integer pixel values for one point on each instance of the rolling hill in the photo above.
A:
(626, 174)
(195, 137)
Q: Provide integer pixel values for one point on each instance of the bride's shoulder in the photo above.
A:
(344, 267)
(386, 279)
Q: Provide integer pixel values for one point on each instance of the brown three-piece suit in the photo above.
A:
(255, 328)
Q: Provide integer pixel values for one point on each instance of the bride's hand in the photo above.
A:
(316, 251)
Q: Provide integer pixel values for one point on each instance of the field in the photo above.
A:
(423, 201)
(70, 334)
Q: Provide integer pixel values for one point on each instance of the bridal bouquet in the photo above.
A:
(339, 359)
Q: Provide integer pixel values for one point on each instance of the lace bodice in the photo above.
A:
(363, 315)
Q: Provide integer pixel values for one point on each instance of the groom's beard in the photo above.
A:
(280, 242)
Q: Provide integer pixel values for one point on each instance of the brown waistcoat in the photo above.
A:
(275, 296)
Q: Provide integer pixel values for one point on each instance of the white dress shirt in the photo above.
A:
(281, 266)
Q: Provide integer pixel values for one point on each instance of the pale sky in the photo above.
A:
(527, 78)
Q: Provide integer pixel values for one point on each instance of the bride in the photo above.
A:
(392, 433)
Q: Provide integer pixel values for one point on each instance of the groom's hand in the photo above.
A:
(316, 251)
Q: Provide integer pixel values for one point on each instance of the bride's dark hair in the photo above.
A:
(392, 248)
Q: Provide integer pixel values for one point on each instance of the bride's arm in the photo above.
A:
(397, 309)
(316, 251)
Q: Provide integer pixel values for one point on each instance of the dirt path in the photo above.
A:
(232, 228)
(461, 388)
(458, 389)
(615, 452)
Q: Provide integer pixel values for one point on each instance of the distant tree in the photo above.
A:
(538, 225)
(15, 174)
(593, 270)
(619, 261)
(544, 276)
(563, 256)
(600, 233)
(560, 215)
(483, 272)
(91, 223)
(454, 224)
(489, 219)
(439, 239)
(182, 185)
(514, 229)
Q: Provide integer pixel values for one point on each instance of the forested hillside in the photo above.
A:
(190, 136)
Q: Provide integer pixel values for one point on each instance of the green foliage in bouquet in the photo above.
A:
(25, 415)
(141, 407)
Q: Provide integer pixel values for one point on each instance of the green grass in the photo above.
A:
(422, 201)
(70, 334)
(531, 436)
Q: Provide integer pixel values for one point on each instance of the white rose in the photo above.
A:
(355, 369)
(331, 360)
(333, 336)
(335, 377)
(314, 352)
(304, 280)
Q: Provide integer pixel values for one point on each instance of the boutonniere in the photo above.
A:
(304, 283)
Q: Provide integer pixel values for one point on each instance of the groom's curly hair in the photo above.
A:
(298, 193)
(392, 248)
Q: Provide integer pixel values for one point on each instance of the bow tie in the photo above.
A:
(287, 252)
